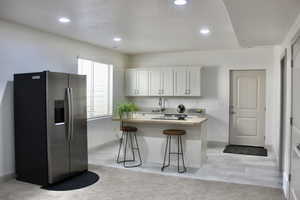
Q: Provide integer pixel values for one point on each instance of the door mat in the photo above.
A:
(83, 180)
(246, 150)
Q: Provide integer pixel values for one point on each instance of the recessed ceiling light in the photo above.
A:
(180, 2)
(205, 31)
(64, 20)
(117, 39)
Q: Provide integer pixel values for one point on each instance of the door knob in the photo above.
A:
(232, 112)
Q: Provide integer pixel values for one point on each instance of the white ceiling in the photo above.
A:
(158, 25)
(262, 22)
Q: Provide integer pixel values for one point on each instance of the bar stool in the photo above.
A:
(129, 132)
(169, 133)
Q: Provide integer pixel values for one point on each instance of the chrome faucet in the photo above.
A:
(161, 104)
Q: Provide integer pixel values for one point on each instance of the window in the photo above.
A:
(99, 87)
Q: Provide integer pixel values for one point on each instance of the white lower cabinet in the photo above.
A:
(170, 81)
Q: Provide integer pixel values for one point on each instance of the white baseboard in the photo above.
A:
(7, 177)
(285, 185)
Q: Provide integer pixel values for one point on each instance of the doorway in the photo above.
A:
(247, 107)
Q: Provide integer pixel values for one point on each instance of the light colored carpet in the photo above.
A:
(125, 184)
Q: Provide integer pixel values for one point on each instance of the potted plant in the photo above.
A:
(126, 109)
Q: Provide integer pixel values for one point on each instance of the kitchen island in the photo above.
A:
(152, 141)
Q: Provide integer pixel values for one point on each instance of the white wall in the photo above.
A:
(24, 49)
(216, 83)
(286, 45)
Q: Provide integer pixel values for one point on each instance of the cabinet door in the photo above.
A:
(180, 82)
(194, 81)
(155, 77)
(167, 82)
(131, 82)
(142, 83)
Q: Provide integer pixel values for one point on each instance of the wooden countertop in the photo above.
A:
(188, 122)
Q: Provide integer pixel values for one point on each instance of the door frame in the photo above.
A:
(293, 42)
(230, 70)
(283, 81)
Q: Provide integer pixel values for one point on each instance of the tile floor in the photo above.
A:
(232, 168)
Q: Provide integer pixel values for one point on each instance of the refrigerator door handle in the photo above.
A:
(72, 117)
(68, 114)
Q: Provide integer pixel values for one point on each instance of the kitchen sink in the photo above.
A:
(164, 118)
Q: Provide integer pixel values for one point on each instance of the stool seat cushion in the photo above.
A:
(174, 132)
(129, 129)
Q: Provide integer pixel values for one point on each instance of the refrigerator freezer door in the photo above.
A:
(78, 142)
(57, 122)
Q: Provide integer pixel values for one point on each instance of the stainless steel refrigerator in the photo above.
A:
(50, 126)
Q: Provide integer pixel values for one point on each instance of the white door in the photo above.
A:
(142, 83)
(194, 81)
(155, 82)
(247, 108)
(131, 82)
(295, 148)
(180, 82)
(167, 82)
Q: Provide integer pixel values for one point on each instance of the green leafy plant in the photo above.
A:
(125, 108)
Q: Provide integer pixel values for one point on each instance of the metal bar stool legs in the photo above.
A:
(131, 136)
(178, 153)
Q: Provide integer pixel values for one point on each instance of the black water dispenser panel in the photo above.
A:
(59, 111)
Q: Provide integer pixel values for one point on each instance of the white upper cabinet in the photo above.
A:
(194, 81)
(179, 81)
(137, 82)
(161, 82)
(187, 81)
(131, 82)
(155, 82)
(167, 82)
(142, 83)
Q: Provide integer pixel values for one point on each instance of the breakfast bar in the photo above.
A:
(152, 142)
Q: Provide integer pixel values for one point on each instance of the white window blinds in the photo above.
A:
(99, 87)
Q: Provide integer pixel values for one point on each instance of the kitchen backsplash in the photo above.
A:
(171, 103)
